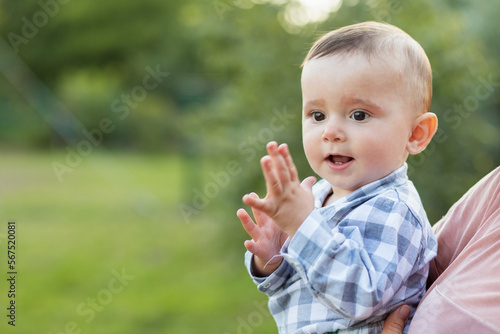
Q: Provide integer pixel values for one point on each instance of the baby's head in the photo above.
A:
(385, 42)
(367, 91)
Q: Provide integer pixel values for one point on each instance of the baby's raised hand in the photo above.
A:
(288, 202)
(267, 239)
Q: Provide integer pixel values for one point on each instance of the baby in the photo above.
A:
(338, 256)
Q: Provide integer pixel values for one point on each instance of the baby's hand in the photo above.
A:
(288, 202)
(267, 241)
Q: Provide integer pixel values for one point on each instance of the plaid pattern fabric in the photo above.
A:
(351, 263)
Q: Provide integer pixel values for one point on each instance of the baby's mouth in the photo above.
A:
(339, 159)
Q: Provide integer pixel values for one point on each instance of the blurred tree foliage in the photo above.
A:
(234, 82)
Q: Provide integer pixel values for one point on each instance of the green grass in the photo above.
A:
(117, 212)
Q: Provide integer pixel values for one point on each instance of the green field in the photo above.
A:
(106, 251)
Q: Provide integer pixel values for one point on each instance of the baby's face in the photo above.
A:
(357, 120)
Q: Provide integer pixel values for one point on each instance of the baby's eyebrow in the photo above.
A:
(314, 103)
(365, 102)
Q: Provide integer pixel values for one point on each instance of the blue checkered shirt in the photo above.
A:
(351, 263)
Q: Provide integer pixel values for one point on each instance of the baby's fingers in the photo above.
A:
(248, 223)
(252, 247)
(285, 153)
(273, 182)
(256, 249)
(255, 202)
(261, 218)
(279, 163)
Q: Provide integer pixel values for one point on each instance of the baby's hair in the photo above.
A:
(387, 42)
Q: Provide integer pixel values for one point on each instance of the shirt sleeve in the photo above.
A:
(272, 283)
(358, 266)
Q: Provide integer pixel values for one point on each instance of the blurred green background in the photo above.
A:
(130, 130)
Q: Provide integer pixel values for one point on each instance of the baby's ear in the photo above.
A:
(424, 128)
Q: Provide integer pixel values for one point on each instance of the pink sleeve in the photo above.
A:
(465, 295)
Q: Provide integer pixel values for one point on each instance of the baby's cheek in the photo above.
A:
(382, 161)
(309, 149)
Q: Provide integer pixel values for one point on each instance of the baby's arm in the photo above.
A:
(267, 239)
(288, 202)
(361, 267)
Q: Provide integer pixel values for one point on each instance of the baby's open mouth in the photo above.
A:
(339, 159)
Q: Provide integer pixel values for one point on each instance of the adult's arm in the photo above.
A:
(465, 293)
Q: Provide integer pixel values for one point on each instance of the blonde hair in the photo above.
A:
(382, 40)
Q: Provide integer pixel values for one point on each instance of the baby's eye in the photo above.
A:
(359, 115)
(318, 116)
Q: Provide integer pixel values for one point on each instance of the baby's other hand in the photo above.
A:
(267, 239)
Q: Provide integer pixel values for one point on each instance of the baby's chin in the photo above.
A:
(342, 185)
(348, 184)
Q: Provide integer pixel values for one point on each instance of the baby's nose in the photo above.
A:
(333, 132)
